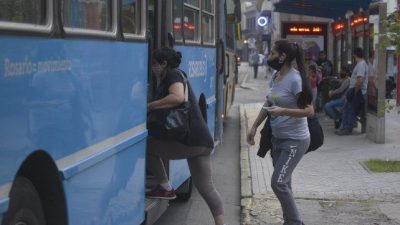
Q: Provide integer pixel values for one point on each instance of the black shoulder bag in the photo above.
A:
(171, 123)
(316, 134)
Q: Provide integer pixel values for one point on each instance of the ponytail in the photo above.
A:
(305, 97)
(292, 51)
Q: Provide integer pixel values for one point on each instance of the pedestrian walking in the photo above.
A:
(288, 104)
(255, 60)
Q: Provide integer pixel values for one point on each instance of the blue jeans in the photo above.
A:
(350, 111)
(331, 108)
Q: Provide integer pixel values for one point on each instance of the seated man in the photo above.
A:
(355, 95)
(337, 97)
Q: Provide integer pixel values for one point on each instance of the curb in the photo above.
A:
(246, 194)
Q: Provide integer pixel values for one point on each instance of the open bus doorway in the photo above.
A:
(159, 35)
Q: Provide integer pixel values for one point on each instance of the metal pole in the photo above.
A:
(398, 61)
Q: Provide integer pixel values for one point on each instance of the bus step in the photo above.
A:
(154, 209)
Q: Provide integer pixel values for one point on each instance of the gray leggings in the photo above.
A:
(199, 162)
(286, 154)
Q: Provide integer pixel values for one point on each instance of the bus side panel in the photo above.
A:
(178, 172)
(66, 96)
(62, 96)
(111, 192)
(199, 63)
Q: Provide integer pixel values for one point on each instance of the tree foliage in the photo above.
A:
(392, 35)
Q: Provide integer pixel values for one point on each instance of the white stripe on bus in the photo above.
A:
(80, 155)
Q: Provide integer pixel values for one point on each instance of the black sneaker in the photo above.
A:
(343, 132)
(337, 124)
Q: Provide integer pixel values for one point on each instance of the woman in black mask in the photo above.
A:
(289, 103)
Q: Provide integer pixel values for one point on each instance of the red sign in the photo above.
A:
(358, 20)
(338, 27)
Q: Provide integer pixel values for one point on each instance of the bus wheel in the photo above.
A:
(184, 192)
(25, 206)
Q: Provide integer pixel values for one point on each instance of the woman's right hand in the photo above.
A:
(250, 136)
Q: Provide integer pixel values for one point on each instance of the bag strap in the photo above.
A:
(185, 84)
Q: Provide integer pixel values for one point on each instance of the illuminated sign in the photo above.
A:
(338, 27)
(355, 21)
(262, 21)
(310, 29)
(264, 18)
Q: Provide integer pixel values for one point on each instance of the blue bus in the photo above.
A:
(74, 86)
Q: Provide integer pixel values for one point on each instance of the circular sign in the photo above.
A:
(262, 21)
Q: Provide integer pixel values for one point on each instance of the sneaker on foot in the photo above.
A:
(343, 132)
(160, 193)
(337, 124)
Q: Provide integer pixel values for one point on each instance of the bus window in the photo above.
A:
(177, 22)
(192, 2)
(23, 11)
(131, 16)
(208, 22)
(208, 6)
(191, 21)
(87, 14)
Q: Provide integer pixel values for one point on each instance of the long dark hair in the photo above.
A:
(294, 51)
(169, 55)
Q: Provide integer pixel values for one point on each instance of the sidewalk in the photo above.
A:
(331, 185)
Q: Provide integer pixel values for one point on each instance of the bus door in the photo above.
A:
(160, 34)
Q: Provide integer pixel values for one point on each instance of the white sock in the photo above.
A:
(167, 186)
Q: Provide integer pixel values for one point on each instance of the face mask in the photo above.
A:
(157, 70)
(275, 64)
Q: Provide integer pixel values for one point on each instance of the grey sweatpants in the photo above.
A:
(199, 162)
(286, 154)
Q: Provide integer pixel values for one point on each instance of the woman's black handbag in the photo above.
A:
(314, 127)
(171, 123)
(316, 134)
(266, 138)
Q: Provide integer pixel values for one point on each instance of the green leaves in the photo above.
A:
(392, 35)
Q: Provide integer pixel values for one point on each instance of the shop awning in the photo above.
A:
(321, 8)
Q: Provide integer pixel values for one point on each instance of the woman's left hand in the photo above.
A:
(277, 111)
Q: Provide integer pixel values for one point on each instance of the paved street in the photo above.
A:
(331, 185)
